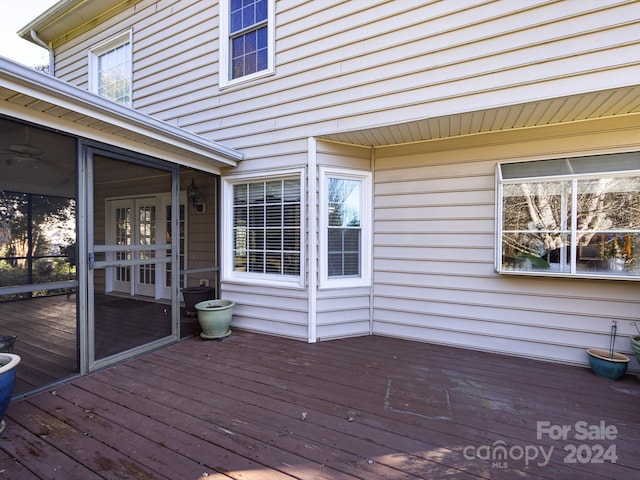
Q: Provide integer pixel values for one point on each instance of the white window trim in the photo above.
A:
(364, 280)
(228, 274)
(101, 48)
(224, 60)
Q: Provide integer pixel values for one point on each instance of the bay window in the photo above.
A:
(570, 217)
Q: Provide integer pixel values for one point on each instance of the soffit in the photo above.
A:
(69, 18)
(71, 109)
(574, 108)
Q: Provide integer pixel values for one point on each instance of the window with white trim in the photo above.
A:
(345, 233)
(246, 39)
(265, 229)
(110, 69)
(570, 217)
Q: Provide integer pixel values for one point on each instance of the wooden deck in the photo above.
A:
(260, 407)
(47, 341)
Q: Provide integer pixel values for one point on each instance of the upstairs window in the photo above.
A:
(246, 32)
(570, 217)
(110, 70)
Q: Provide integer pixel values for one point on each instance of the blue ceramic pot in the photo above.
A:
(604, 366)
(9, 361)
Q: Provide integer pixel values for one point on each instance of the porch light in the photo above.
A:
(193, 193)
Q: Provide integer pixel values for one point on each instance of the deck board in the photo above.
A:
(261, 407)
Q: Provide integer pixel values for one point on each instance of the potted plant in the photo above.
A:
(193, 295)
(635, 341)
(214, 317)
(8, 363)
(608, 363)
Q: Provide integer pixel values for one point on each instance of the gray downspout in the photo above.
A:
(34, 36)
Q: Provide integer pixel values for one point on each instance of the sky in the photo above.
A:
(15, 15)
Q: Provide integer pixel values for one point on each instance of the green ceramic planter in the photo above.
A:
(214, 317)
(635, 345)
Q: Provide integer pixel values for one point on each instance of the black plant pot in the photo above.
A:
(193, 295)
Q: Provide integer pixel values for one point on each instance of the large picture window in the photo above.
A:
(345, 230)
(570, 216)
(247, 39)
(266, 229)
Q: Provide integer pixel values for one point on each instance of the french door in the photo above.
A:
(142, 221)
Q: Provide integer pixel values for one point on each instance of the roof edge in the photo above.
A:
(32, 82)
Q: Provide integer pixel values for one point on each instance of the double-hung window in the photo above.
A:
(345, 236)
(246, 39)
(570, 217)
(264, 229)
(110, 70)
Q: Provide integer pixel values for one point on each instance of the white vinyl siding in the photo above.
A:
(434, 243)
(342, 67)
(338, 64)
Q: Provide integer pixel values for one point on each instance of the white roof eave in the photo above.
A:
(41, 87)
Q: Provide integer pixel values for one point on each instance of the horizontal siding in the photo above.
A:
(337, 69)
(337, 62)
(346, 66)
(341, 312)
(344, 329)
(261, 309)
(434, 278)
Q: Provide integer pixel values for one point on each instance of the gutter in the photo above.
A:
(36, 39)
(30, 82)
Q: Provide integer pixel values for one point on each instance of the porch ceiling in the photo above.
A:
(34, 96)
(585, 106)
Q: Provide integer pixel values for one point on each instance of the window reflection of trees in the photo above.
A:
(537, 219)
(40, 232)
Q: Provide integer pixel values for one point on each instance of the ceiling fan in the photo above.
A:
(22, 153)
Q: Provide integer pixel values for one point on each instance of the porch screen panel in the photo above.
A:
(38, 253)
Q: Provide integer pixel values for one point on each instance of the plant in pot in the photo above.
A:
(8, 363)
(635, 341)
(214, 317)
(608, 363)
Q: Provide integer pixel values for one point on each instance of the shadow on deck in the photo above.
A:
(262, 407)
